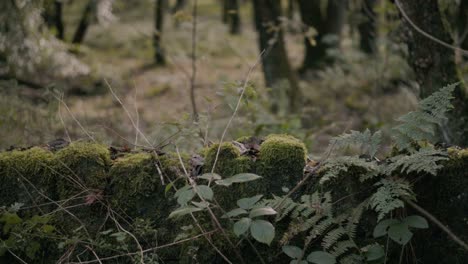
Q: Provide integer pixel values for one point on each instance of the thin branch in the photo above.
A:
(438, 223)
(427, 35)
(194, 60)
(149, 249)
(244, 86)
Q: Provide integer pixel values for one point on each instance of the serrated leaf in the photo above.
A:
(235, 212)
(400, 233)
(321, 257)
(262, 211)
(205, 192)
(210, 176)
(382, 227)
(262, 231)
(184, 211)
(416, 221)
(238, 178)
(292, 251)
(247, 203)
(241, 226)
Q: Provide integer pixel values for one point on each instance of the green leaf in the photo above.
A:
(48, 229)
(238, 178)
(181, 190)
(241, 226)
(321, 257)
(262, 211)
(247, 203)
(262, 231)
(374, 252)
(119, 236)
(185, 196)
(10, 220)
(416, 221)
(168, 188)
(295, 261)
(210, 176)
(202, 205)
(235, 212)
(205, 192)
(292, 251)
(184, 211)
(382, 227)
(400, 233)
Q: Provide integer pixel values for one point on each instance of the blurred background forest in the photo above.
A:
(103, 69)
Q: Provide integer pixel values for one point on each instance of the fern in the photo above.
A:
(336, 167)
(369, 143)
(388, 196)
(423, 123)
(425, 160)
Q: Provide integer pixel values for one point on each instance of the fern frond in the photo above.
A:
(423, 123)
(387, 197)
(425, 160)
(369, 143)
(336, 167)
(332, 237)
(342, 247)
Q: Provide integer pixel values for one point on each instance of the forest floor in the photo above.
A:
(357, 92)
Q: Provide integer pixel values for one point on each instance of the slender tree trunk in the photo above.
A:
(159, 8)
(53, 18)
(328, 24)
(231, 16)
(433, 63)
(276, 68)
(291, 6)
(180, 4)
(80, 32)
(367, 30)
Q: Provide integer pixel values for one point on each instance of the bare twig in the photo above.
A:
(244, 86)
(149, 249)
(433, 219)
(194, 60)
(427, 35)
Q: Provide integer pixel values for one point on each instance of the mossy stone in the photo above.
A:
(82, 166)
(282, 160)
(25, 173)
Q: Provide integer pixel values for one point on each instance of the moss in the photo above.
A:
(137, 188)
(282, 160)
(20, 169)
(226, 164)
(82, 165)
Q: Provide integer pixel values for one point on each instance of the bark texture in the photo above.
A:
(327, 23)
(276, 68)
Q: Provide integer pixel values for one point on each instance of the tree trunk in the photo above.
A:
(367, 30)
(231, 16)
(159, 7)
(276, 68)
(84, 23)
(180, 4)
(53, 18)
(328, 24)
(434, 64)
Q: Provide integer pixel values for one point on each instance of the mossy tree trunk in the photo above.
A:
(83, 26)
(434, 64)
(327, 22)
(367, 29)
(159, 9)
(231, 16)
(278, 73)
